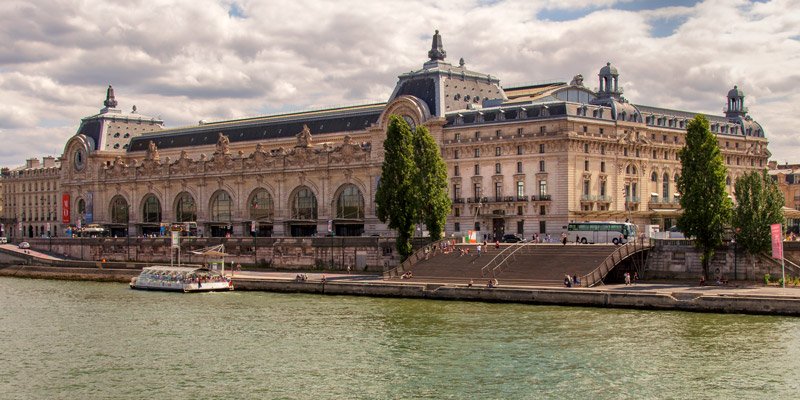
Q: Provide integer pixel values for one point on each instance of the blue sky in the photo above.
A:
(187, 60)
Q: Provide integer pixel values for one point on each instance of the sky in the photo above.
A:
(190, 60)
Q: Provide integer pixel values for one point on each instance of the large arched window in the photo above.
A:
(304, 204)
(185, 208)
(151, 209)
(350, 204)
(221, 206)
(665, 186)
(261, 206)
(119, 210)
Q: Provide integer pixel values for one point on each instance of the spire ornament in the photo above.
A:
(437, 52)
(110, 102)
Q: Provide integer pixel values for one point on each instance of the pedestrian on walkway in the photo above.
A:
(479, 250)
(627, 278)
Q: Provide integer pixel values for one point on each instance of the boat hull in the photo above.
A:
(189, 288)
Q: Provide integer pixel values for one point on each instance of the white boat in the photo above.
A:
(181, 279)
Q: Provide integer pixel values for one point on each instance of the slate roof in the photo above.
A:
(264, 128)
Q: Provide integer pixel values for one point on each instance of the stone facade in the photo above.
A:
(524, 160)
(31, 195)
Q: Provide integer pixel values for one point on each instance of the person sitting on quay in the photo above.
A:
(490, 284)
(567, 280)
(575, 280)
(407, 275)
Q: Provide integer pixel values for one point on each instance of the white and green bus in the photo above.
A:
(601, 232)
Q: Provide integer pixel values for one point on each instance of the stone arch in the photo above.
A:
(405, 105)
(303, 204)
(184, 207)
(150, 206)
(119, 210)
(221, 206)
(261, 205)
(348, 202)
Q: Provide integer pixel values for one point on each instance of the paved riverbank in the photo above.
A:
(659, 296)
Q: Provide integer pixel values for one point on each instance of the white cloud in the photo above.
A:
(187, 60)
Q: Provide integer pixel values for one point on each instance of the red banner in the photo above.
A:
(777, 241)
(65, 217)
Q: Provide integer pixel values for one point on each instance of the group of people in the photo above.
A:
(570, 281)
(631, 279)
(407, 275)
(301, 277)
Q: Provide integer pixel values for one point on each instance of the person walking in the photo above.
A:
(479, 250)
(627, 278)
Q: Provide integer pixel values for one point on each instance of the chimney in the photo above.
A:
(49, 161)
(32, 163)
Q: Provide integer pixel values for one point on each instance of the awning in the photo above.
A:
(213, 251)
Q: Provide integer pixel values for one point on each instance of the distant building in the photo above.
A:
(30, 198)
(525, 159)
(787, 177)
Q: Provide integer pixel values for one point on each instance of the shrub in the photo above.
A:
(766, 279)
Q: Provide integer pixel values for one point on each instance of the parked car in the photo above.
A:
(24, 245)
(511, 238)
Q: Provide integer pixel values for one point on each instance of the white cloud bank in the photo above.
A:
(187, 60)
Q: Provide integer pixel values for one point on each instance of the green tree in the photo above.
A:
(759, 204)
(706, 206)
(431, 182)
(396, 195)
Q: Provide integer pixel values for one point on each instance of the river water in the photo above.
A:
(87, 340)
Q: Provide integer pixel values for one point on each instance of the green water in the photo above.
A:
(84, 340)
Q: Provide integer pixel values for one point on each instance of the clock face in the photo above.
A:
(410, 122)
(79, 160)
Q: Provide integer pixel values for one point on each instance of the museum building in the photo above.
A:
(523, 160)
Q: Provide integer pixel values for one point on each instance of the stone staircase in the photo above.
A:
(532, 264)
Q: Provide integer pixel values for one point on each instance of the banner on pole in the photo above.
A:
(777, 241)
(176, 239)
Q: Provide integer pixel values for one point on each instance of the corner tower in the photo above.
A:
(444, 87)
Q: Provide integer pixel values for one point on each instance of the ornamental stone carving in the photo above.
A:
(304, 137)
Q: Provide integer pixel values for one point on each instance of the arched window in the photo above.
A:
(81, 207)
(350, 204)
(628, 169)
(185, 208)
(261, 207)
(633, 170)
(151, 209)
(654, 177)
(304, 204)
(119, 210)
(728, 180)
(221, 205)
(665, 186)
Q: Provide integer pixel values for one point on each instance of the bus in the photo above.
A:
(601, 232)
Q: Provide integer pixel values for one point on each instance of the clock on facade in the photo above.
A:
(410, 122)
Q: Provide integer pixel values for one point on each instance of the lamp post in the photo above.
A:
(735, 254)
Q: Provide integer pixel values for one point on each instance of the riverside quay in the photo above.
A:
(521, 160)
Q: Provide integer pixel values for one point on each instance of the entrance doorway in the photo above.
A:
(498, 228)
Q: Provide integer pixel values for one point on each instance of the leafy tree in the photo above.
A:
(431, 181)
(706, 206)
(759, 204)
(396, 194)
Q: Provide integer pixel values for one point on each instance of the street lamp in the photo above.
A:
(735, 253)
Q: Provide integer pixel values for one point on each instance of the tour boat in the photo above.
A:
(181, 279)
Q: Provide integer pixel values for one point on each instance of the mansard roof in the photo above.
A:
(280, 126)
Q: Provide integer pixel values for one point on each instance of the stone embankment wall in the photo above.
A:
(373, 254)
(678, 259)
(685, 300)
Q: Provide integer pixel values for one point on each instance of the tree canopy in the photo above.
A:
(431, 181)
(706, 206)
(759, 204)
(396, 195)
